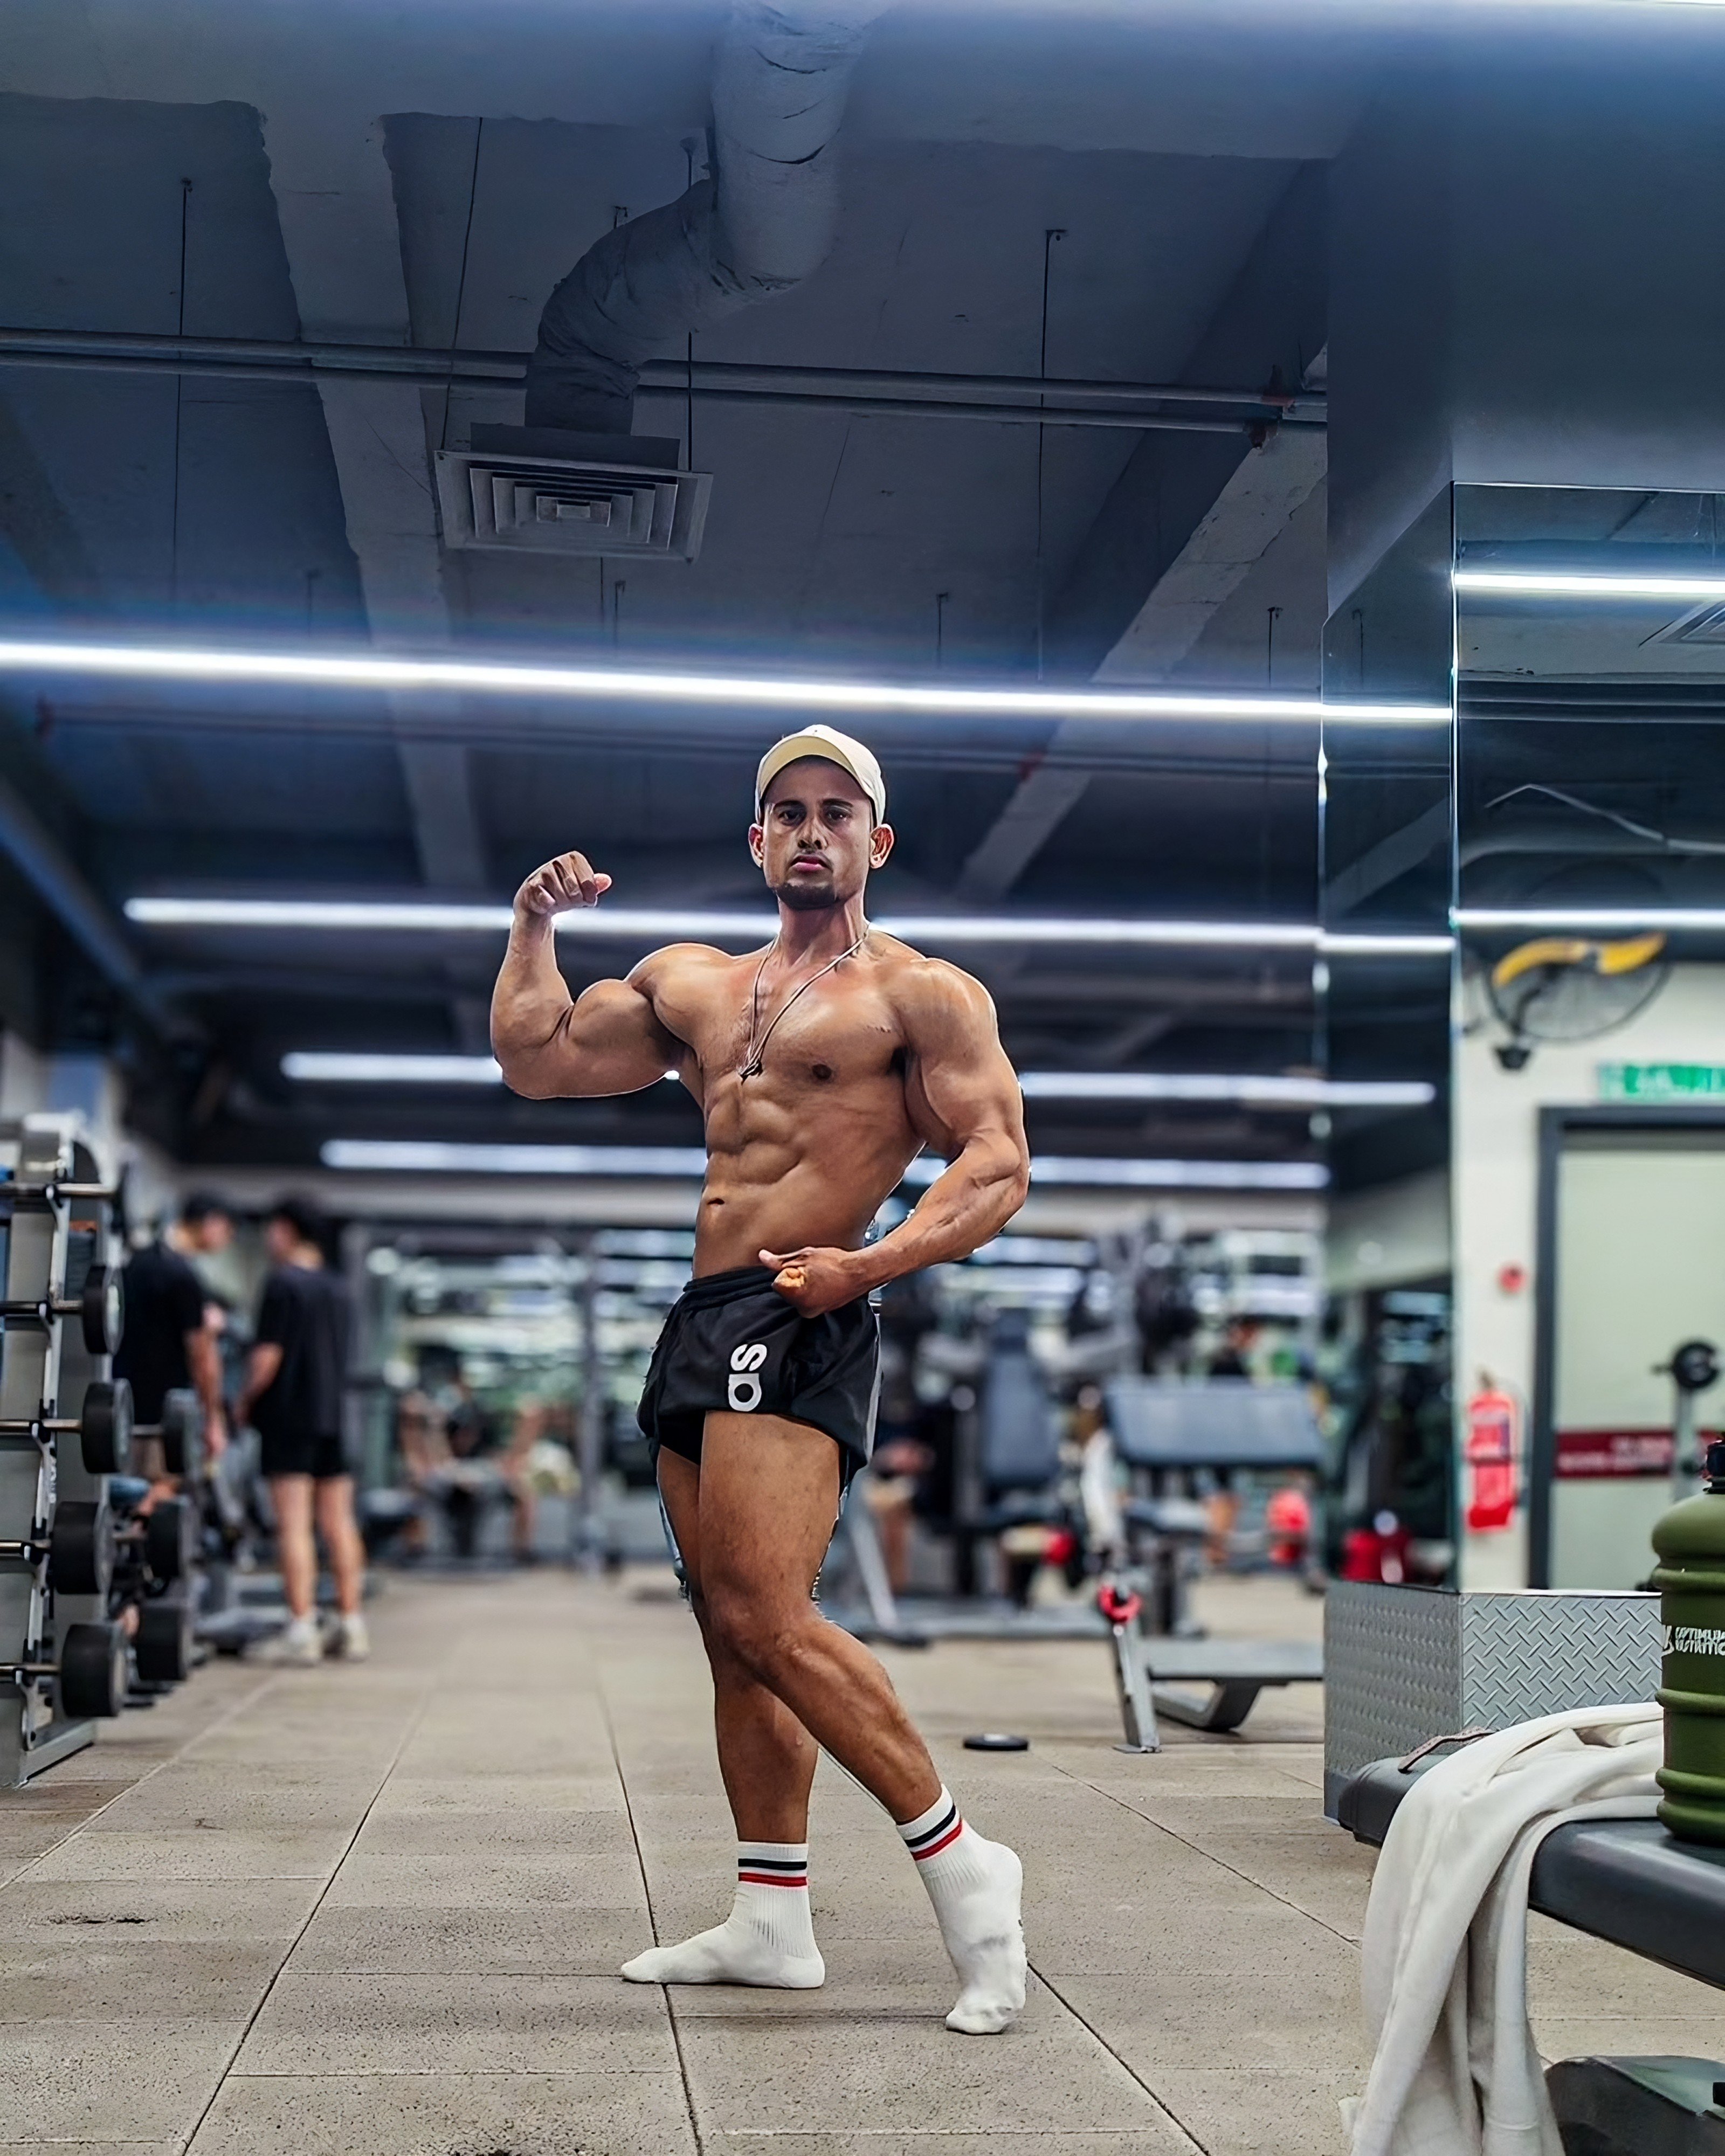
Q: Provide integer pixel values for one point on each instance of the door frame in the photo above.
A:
(1555, 1126)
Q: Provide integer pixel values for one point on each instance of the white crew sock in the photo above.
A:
(768, 1938)
(976, 1888)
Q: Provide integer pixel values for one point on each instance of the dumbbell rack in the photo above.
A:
(59, 1211)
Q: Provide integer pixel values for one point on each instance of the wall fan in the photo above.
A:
(1571, 988)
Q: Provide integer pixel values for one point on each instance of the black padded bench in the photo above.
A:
(1627, 1882)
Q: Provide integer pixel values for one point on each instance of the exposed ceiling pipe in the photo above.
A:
(858, 388)
(761, 223)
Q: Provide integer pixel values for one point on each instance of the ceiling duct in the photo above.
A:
(760, 222)
(548, 490)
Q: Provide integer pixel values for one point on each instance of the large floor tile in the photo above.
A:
(317, 2021)
(1261, 2114)
(562, 1942)
(436, 2114)
(198, 1853)
(96, 1916)
(119, 2079)
(818, 2062)
(487, 1878)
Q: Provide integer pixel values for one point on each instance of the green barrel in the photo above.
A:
(1690, 1540)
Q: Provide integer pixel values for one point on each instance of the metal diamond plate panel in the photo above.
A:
(1403, 1664)
(1526, 1654)
(1392, 1676)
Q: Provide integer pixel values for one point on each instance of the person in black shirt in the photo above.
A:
(293, 1396)
(168, 1343)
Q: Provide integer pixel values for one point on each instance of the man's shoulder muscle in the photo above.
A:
(934, 997)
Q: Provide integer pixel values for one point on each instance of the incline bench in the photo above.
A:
(1627, 1882)
(1158, 1427)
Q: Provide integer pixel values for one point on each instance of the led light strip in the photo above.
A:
(415, 1156)
(624, 923)
(1581, 584)
(476, 677)
(343, 1067)
(1615, 919)
(1248, 1091)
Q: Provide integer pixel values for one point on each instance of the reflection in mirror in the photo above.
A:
(1385, 976)
(1589, 1056)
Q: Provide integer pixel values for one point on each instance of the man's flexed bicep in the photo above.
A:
(608, 1040)
(964, 1100)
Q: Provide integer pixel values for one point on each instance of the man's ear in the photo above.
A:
(757, 846)
(880, 844)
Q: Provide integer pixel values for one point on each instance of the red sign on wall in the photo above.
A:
(1600, 1455)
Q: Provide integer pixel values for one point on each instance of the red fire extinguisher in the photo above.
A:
(1492, 1450)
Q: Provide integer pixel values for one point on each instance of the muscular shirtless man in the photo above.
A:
(823, 1065)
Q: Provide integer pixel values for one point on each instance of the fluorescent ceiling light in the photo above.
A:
(1252, 1091)
(337, 1068)
(415, 1156)
(1387, 946)
(1562, 583)
(369, 669)
(622, 923)
(1625, 919)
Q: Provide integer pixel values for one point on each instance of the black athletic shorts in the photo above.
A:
(732, 1342)
(285, 1452)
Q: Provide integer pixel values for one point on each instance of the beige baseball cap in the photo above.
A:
(828, 743)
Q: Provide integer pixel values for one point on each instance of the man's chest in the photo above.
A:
(822, 1032)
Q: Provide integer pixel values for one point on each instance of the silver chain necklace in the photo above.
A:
(751, 1064)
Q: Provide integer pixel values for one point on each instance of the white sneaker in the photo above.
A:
(297, 1647)
(349, 1640)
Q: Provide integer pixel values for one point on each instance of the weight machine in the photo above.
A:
(1161, 1427)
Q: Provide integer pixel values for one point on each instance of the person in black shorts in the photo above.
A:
(169, 1342)
(294, 1381)
(823, 1062)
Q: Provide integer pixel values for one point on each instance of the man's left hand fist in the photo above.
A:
(815, 1281)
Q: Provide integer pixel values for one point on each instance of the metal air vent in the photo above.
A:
(554, 504)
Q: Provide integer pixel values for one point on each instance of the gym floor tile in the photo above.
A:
(135, 1981)
(1570, 1974)
(1192, 1937)
(438, 1833)
(849, 2059)
(547, 1942)
(488, 1878)
(1256, 2112)
(1248, 2017)
(326, 2022)
(156, 1912)
(499, 1794)
(117, 2079)
(198, 1853)
(432, 2114)
(1153, 2137)
(1631, 2035)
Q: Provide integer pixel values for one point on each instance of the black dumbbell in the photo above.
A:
(103, 1426)
(92, 1671)
(162, 1643)
(85, 1548)
(179, 1430)
(81, 1549)
(97, 1307)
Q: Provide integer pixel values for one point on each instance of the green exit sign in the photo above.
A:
(1662, 1082)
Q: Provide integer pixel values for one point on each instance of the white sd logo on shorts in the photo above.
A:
(743, 1392)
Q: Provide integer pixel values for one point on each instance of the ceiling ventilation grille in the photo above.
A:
(617, 503)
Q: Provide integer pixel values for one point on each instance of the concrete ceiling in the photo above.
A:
(423, 174)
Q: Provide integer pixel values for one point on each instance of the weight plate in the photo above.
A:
(100, 1308)
(105, 1426)
(1696, 1365)
(93, 1671)
(996, 1740)
(81, 1549)
(163, 1644)
(168, 1545)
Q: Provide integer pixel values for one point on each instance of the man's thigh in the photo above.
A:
(769, 1499)
(291, 1496)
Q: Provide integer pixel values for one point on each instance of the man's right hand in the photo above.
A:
(559, 887)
